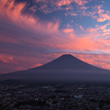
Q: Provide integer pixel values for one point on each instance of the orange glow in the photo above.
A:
(102, 61)
(68, 30)
(8, 59)
(81, 2)
(67, 2)
(103, 16)
(36, 65)
(64, 2)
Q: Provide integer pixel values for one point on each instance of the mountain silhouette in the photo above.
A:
(66, 68)
(68, 62)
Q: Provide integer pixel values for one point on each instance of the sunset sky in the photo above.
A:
(34, 32)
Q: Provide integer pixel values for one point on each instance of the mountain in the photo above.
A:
(67, 62)
(66, 68)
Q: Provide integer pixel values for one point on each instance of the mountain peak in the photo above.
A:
(67, 62)
(66, 55)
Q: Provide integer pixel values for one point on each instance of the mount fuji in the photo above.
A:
(66, 68)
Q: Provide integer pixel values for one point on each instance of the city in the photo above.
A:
(54, 97)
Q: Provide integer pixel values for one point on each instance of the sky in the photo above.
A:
(34, 32)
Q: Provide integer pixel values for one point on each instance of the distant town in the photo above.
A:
(54, 97)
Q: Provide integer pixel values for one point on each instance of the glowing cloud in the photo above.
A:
(32, 39)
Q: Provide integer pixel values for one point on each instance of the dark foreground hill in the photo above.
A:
(66, 68)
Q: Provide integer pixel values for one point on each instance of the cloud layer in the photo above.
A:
(33, 33)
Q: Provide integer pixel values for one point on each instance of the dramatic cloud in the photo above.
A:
(81, 2)
(68, 2)
(31, 34)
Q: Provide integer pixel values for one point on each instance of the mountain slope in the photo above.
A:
(68, 62)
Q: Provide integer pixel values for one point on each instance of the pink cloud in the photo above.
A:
(103, 15)
(81, 2)
(64, 2)
(36, 65)
(102, 29)
(81, 27)
(47, 36)
(73, 14)
(8, 59)
(84, 7)
(68, 2)
(99, 14)
(68, 30)
(102, 61)
(33, 9)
